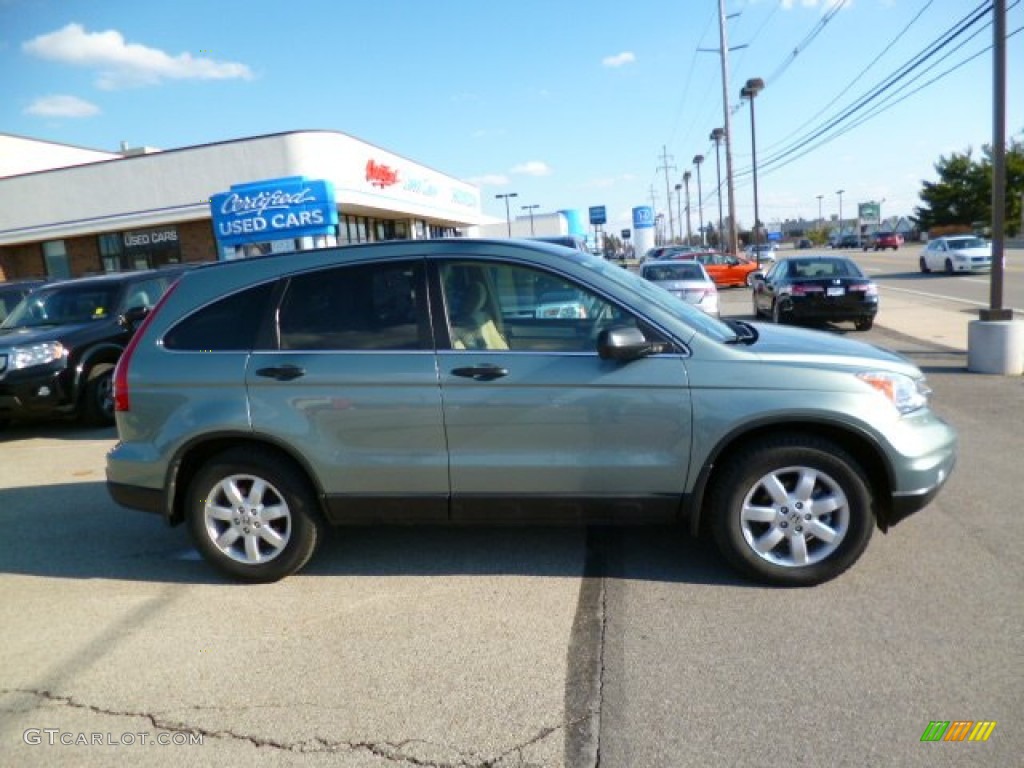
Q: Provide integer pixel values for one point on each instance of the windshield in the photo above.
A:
(63, 306)
(967, 242)
(659, 297)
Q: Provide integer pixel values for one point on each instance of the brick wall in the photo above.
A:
(84, 255)
(22, 261)
(195, 239)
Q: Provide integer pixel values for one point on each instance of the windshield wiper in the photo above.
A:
(745, 332)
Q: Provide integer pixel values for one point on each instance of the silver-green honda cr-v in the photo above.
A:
(492, 381)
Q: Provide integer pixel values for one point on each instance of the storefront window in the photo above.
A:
(57, 262)
(111, 251)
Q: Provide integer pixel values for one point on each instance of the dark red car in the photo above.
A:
(882, 240)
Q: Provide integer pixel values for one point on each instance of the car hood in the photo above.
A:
(787, 344)
(10, 337)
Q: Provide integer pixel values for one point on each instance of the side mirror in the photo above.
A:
(626, 344)
(132, 317)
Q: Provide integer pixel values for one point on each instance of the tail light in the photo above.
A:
(804, 290)
(869, 289)
(122, 401)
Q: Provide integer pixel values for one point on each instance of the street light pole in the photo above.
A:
(689, 233)
(697, 160)
(531, 209)
(716, 136)
(840, 193)
(679, 209)
(753, 87)
(508, 218)
(821, 223)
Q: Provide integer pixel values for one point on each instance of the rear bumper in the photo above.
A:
(136, 497)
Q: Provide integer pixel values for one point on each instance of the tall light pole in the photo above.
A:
(531, 209)
(679, 208)
(821, 222)
(697, 160)
(508, 218)
(840, 193)
(753, 87)
(686, 183)
(716, 136)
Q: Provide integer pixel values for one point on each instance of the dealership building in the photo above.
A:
(68, 211)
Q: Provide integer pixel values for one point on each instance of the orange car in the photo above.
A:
(724, 269)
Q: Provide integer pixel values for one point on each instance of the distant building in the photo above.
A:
(67, 211)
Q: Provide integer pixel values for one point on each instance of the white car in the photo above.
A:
(688, 280)
(957, 253)
(761, 252)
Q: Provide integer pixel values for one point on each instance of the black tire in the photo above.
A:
(263, 548)
(814, 472)
(949, 266)
(864, 323)
(777, 317)
(97, 406)
(924, 265)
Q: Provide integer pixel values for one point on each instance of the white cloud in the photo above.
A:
(532, 168)
(619, 59)
(59, 105)
(489, 180)
(122, 64)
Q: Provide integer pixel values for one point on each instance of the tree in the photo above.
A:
(963, 194)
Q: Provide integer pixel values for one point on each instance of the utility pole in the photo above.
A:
(728, 126)
(665, 157)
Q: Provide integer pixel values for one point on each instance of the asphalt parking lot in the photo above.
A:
(510, 647)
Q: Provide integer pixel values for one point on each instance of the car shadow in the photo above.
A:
(60, 429)
(75, 531)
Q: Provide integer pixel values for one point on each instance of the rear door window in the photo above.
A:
(358, 307)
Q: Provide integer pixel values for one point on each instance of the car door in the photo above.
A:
(538, 425)
(351, 384)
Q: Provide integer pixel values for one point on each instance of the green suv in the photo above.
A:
(453, 381)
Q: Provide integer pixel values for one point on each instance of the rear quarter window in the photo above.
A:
(231, 323)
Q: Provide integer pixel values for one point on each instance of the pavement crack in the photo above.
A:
(396, 752)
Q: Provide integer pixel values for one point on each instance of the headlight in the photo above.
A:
(36, 354)
(906, 394)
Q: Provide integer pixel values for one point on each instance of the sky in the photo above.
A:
(569, 104)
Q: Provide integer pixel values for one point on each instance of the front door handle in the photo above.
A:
(282, 372)
(481, 372)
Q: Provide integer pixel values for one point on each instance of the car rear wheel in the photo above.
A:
(864, 323)
(791, 510)
(253, 516)
(924, 265)
(777, 316)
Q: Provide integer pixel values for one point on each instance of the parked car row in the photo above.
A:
(60, 343)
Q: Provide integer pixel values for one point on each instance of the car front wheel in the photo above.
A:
(791, 510)
(253, 516)
(98, 399)
(949, 266)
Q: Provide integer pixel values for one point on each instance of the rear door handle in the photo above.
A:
(481, 372)
(282, 372)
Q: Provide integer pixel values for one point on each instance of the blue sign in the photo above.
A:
(643, 217)
(774, 237)
(597, 215)
(276, 209)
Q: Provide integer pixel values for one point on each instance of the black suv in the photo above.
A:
(59, 346)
